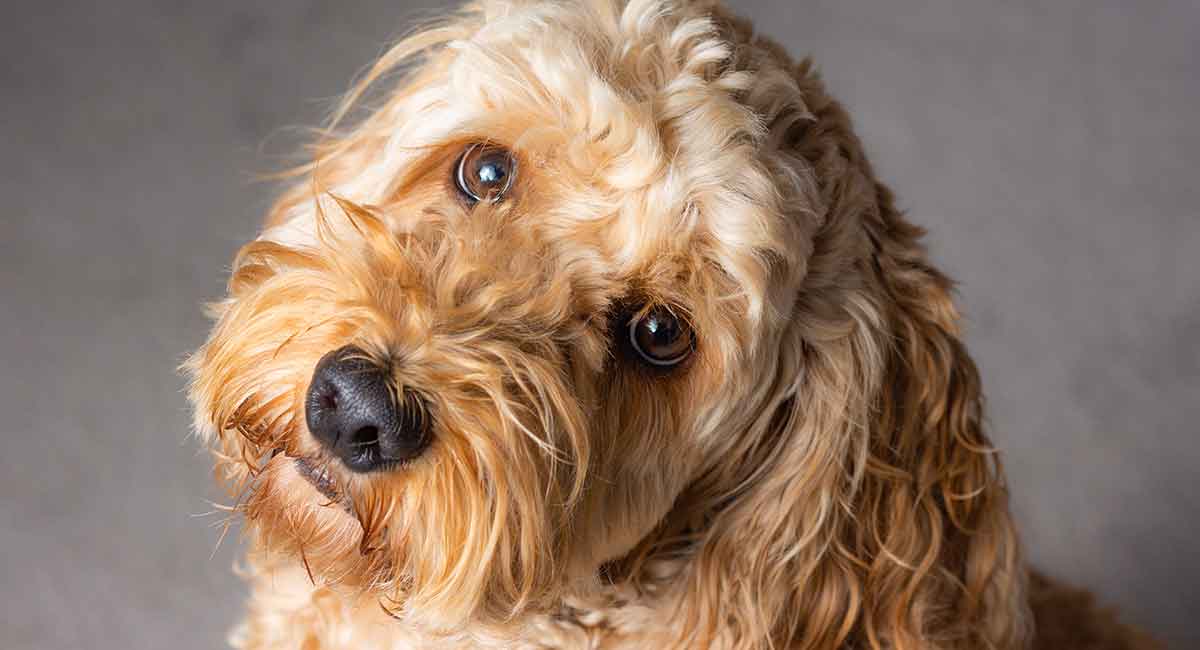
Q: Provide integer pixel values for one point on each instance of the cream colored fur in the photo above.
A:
(814, 476)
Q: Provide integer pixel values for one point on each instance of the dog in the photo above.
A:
(597, 330)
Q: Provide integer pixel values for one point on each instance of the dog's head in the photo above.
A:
(607, 294)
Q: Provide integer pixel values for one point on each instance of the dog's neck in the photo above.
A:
(290, 609)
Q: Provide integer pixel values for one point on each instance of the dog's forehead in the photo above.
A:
(630, 106)
(636, 116)
(632, 126)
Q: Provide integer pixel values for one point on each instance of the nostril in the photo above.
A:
(365, 436)
(360, 450)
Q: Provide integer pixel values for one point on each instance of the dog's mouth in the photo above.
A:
(318, 475)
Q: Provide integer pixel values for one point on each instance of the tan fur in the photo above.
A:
(815, 476)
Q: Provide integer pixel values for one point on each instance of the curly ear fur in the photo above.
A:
(871, 512)
(864, 507)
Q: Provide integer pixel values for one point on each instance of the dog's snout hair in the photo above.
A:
(478, 324)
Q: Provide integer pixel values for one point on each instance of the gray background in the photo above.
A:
(1051, 148)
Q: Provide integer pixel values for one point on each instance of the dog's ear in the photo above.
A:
(932, 507)
(867, 508)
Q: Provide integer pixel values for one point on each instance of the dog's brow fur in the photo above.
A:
(814, 476)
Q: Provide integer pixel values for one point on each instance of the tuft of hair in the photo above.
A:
(858, 504)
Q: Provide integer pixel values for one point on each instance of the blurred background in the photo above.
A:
(1051, 148)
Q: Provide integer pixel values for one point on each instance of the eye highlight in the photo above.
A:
(660, 338)
(485, 173)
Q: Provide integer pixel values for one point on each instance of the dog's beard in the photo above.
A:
(476, 527)
(472, 530)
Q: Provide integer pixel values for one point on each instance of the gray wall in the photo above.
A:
(1051, 148)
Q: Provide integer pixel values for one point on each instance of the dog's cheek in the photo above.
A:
(468, 527)
(640, 463)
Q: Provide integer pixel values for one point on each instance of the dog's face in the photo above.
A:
(549, 293)
(548, 308)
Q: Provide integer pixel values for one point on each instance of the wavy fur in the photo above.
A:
(816, 477)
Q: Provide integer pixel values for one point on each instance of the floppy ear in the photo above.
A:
(944, 558)
(868, 508)
(873, 510)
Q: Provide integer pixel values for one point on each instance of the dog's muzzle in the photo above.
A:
(356, 414)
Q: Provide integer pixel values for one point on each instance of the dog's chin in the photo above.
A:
(316, 473)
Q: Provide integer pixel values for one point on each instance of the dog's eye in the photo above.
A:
(485, 172)
(660, 338)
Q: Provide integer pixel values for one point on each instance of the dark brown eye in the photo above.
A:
(659, 338)
(485, 172)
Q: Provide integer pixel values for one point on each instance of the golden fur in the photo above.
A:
(816, 476)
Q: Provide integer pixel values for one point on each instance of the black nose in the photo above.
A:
(359, 417)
